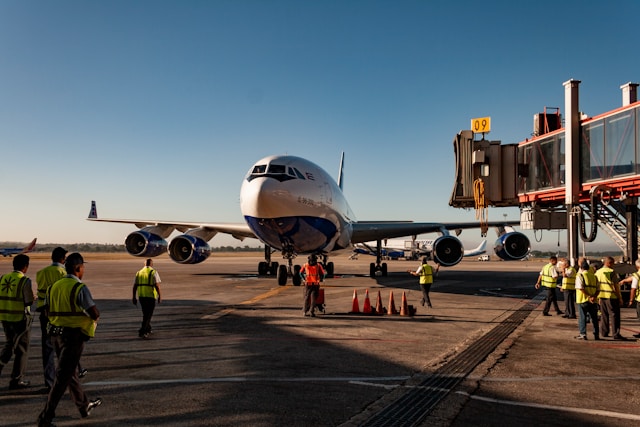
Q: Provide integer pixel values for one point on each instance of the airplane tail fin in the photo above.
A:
(340, 171)
(30, 246)
(93, 212)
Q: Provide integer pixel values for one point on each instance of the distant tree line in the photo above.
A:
(547, 254)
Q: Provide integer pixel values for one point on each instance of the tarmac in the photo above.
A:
(232, 348)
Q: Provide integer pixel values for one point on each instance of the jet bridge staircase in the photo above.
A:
(610, 216)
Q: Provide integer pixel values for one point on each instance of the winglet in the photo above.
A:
(340, 171)
(93, 213)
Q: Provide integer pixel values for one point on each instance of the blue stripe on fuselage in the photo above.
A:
(302, 234)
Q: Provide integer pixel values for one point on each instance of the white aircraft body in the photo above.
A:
(293, 206)
(397, 248)
(15, 251)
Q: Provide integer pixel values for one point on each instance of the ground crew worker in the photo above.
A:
(72, 321)
(569, 289)
(312, 274)
(425, 271)
(634, 296)
(16, 297)
(587, 300)
(44, 279)
(548, 278)
(146, 286)
(610, 298)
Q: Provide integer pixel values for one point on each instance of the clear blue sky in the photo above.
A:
(157, 109)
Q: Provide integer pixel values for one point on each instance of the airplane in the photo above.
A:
(294, 206)
(414, 248)
(15, 251)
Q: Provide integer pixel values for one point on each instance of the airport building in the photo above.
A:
(581, 174)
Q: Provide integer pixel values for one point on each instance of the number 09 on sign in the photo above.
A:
(481, 125)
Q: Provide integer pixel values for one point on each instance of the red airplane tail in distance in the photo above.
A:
(15, 251)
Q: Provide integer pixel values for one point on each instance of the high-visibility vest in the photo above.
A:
(637, 276)
(426, 275)
(589, 287)
(569, 283)
(548, 280)
(312, 273)
(47, 277)
(64, 309)
(146, 281)
(607, 287)
(11, 296)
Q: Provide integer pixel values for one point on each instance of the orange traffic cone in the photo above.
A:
(392, 305)
(379, 307)
(366, 307)
(404, 310)
(355, 306)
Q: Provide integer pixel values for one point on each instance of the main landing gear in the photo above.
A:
(283, 272)
(378, 266)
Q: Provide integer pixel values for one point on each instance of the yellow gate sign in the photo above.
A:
(481, 125)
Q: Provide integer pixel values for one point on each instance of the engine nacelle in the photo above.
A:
(188, 249)
(512, 246)
(144, 244)
(447, 251)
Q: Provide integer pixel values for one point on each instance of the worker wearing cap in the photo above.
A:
(312, 274)
(44, 279)
(548, 278)
(72, 321)
(16, 297)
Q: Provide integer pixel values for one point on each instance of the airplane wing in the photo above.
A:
(365, 231)
(164, 228)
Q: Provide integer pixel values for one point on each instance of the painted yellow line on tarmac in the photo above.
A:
(224, 312)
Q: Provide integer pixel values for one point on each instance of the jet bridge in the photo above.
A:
(581, 177)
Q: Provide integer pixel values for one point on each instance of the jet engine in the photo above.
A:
(189, 249)
(512, 246)
(142, 243)
(447, 251)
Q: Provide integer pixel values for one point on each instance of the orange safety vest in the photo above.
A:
(313, 273)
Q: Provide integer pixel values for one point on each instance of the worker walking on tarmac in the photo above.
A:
(610, 298)
(146, 286)
(312, 274)
(16, 297)
(634, 297)
(587, 300)
(73, 316)
(426, 273)
(548, 278)
(568, 288)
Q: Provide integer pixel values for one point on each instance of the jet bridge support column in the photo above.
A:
(572, 165)
(631, 214)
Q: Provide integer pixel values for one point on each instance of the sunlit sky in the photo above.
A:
(157, 109)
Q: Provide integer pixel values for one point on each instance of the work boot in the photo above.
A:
(84, 413)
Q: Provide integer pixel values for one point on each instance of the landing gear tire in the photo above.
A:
(372, 270)
(274, 269)
(262, 268)
(296, 279)
(384, 269)
(329, 269)
(282, 275)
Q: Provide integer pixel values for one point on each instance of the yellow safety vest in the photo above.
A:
(12, 297)
(607, 287)
(426, 276)
(146, 281)
(548, 280)
(637, 276)
(313, 273)
(589, 287)
(47, 277)
(569, 283)
(64, 309)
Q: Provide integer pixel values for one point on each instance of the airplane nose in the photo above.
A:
(262, 197)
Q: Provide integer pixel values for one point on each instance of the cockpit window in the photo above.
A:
(277, 169)
(259, 169)
(298, 173)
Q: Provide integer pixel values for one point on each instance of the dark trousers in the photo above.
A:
(48, 354)
(147, 304)
(570, 302)
(426, 287)
(588, 310)
(17, 336)
(552, 298)
(310, 296)
(610, 319)
(68, 348)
